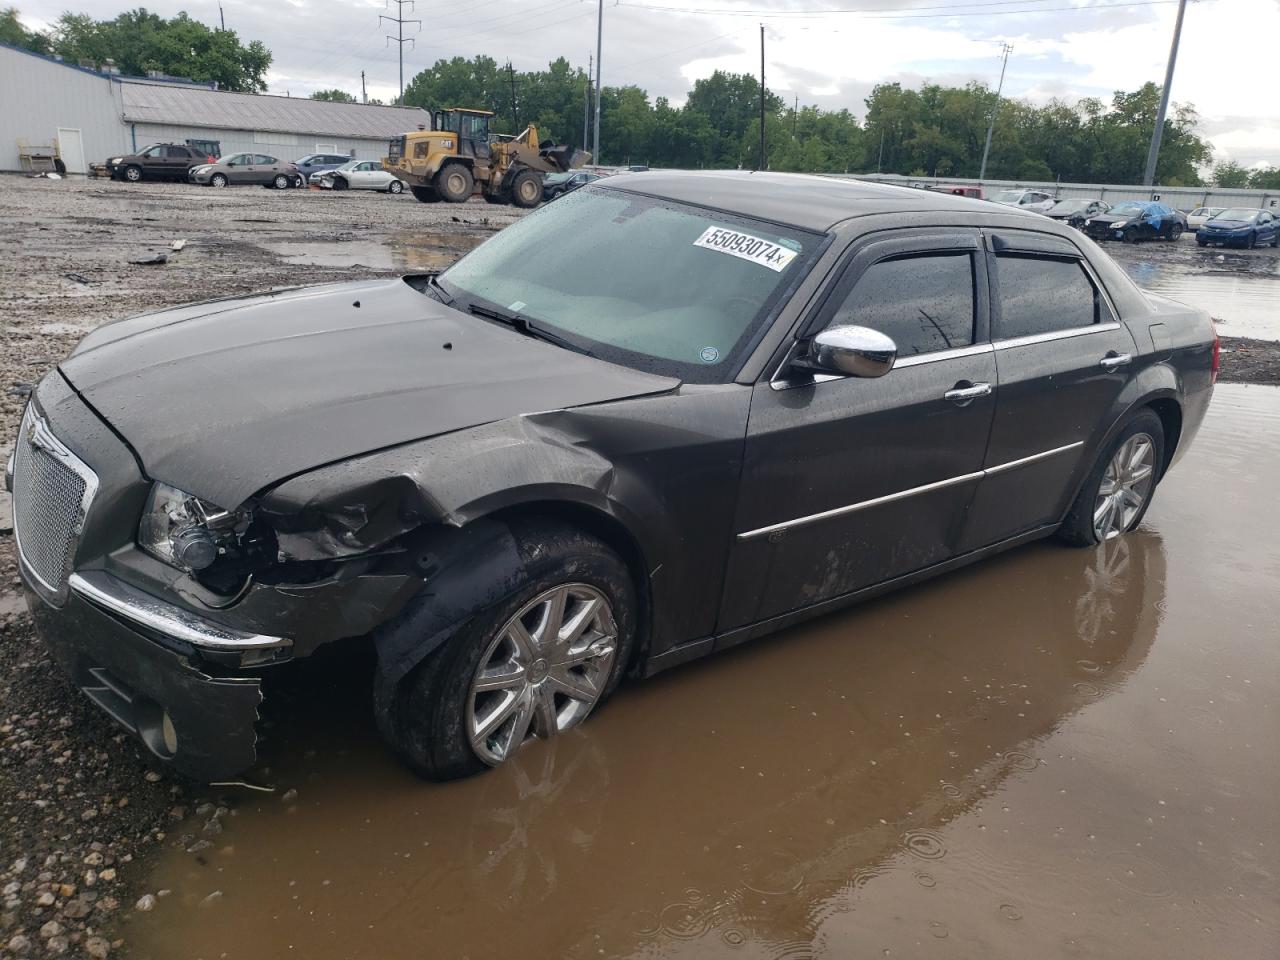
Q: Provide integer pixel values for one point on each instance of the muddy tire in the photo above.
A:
(454, 183)
(340, 183)
(434, 717)
(424, 194)
(1252, 241)
(526, 189)
(1129, 236)
(132, 173)
(395, 186)
(1139, 443)
(1175, 232)
(218, 180)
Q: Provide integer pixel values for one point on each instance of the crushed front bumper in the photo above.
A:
(150, 666)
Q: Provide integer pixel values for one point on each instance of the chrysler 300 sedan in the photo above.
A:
(660, 417)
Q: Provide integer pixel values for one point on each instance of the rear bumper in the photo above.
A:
(145, 664)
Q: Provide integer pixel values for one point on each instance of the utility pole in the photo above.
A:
(880, 159)
(595, 133)
(515, 111)
(222, 18)
(586, 103)
(991, 124)
(1153, 154)
(795, 111)
(763, 164)
(400, 38)
(364, 91)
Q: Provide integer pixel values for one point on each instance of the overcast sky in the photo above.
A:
(1064, 48)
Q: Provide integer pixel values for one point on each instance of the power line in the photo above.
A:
(400, 38)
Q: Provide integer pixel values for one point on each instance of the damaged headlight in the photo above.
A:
(185, 531)
(1119, 223)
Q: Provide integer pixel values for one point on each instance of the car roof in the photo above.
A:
(803, 200)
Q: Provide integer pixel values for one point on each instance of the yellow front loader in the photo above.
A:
(459, 158)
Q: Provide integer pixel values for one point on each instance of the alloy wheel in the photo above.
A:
(543, 672)
(1126, 485)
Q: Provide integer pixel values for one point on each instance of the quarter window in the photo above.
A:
(925, 303)
(1045, 295)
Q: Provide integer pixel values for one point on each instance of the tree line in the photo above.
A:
(933, 131)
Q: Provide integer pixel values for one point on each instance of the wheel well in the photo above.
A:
(613, 534)
(1170, 414)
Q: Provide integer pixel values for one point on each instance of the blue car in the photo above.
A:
(318, 163)
(1241, 227)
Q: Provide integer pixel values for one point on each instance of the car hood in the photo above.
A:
(1229, 224)
(224, 398)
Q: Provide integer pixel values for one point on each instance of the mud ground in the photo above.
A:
(93, 838)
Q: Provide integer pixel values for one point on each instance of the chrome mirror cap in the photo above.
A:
(853, 351)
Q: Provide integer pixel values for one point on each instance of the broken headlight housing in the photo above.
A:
(187, 532)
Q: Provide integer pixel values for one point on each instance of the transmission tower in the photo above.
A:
(400, 39)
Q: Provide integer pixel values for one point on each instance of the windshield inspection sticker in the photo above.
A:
(746, 247)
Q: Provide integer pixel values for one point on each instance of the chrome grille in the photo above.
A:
(52, 490)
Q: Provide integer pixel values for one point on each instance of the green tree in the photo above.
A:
(15, 34)
(335, 95)
(1228, 173)
(139, 41)
(1267, 178)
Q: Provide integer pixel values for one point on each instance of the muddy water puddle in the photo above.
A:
(1241, 288)
(409, 254)
(1057, 753)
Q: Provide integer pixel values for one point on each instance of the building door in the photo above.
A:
(71, 149)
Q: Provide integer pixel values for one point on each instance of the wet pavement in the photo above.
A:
(1056, 753)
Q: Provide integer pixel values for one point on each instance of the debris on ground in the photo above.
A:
(178, 245)
(154, 259)
(81, 278)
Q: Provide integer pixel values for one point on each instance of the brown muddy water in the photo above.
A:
(1057, 753)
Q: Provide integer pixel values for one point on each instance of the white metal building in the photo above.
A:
(90, 115)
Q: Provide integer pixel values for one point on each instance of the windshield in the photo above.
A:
(1238, 213)
(349, 165)
(1127, 209)
(1009, 196)
(557, 177)
(649, 283)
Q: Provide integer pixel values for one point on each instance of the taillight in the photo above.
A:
(1217, 355)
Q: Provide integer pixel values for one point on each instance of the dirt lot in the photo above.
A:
(83, 816)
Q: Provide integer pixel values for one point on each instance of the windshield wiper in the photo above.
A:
(445, 297)
(526, 326)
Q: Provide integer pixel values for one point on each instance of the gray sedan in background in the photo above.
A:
(358, 175)
(242, 168)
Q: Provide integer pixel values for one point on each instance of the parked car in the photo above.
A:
(359, 175)
(1034, 200)
(314, 163)
(1241, 227)
(1075, 211)
(1198, 217)
(160, 161)
(246, 168)
(1134, 220)
(558, 184)
(522, 478)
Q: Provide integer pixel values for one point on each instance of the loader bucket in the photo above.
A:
(565, 157)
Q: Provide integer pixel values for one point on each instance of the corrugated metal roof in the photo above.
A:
(195, 106)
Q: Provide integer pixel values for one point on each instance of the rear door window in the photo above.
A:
(1041, 294)
(924, 302)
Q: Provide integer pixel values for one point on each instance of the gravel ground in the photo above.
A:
(81, 807)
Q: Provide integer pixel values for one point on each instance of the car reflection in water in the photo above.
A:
(733, 804)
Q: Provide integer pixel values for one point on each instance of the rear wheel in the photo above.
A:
(526, 189)
(1175, 232)
(533, 665)
(1118, 490)
(395, 186)
(281, 182)
(424, 194)
(454, 183)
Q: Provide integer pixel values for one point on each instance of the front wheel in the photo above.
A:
(1129, 236)
(1118, 490)
(133, 174)
(454, 183)
(395, 186)
(1252, 241)
(533, 665)
(218, 180)
(526, 189)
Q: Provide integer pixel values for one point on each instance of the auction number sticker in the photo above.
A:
(746, 247)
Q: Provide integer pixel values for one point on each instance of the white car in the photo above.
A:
(1198, 217)
(358, 175)
(1026, 200)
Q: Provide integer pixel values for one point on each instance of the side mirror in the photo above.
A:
(852, 351)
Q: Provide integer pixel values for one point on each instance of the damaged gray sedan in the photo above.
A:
(655, 419)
